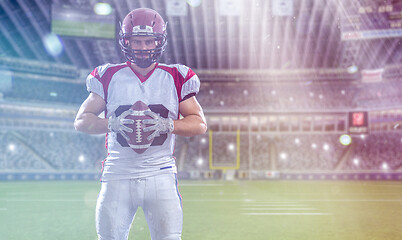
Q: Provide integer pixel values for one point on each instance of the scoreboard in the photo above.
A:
(358, 122)
(370, 19)
(82, 21)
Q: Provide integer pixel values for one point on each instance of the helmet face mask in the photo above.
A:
(143, 22)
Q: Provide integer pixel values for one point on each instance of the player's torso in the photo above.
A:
(158, 91)
(125, 88)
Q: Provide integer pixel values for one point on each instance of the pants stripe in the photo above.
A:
(177, 190)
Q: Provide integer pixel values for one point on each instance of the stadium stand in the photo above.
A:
(36, 125)
(51, 151)
(33, 90)
(315, 152)
(377, 151)
(301, 96)
(18, 156)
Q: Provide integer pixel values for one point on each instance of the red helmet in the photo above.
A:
(143, 22)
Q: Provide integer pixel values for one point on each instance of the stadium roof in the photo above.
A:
(211, 36)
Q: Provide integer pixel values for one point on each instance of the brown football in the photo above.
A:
(138, 138)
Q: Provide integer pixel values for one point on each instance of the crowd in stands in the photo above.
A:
(240, 95)
(33, 90)
(315, 152)
(31, 143)
(197, 153)
(300, 96)
(379, 94)
(376, 151)
(30, 150)
(260, 152)
(16, 156)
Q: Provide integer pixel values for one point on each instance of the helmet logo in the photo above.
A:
(142, 29)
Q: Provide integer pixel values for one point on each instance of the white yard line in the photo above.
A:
(200, 184)
(279, 209)
(330, 200)
(42, 200)
(395, 185)
(251, 201)
(352, 200)
(273, 205)
(214, 193)
(286, 214)
(44, 192)
(306, 200)
(208, 200)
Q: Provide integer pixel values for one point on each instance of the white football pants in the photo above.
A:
(158, 196)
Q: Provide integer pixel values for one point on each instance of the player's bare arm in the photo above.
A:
(87, 119)
(193, 121)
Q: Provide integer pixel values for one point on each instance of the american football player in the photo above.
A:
(149, 179)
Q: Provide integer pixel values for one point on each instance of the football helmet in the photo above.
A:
(143, 22)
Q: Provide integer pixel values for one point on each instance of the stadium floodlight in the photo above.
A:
(103, 9)
(200, 161)
(194, 3)
(345, 139)
(52, 44)
(81, 158)
(11, 147)
(231, 147)
(352, 69)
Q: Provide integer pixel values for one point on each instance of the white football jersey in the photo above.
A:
(162, 90)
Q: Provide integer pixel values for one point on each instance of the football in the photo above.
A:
(138, 138)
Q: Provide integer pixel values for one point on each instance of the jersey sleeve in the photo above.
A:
(94, 83)
(191, 83)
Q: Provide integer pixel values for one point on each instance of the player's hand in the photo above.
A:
(117, 124)
(159, 124)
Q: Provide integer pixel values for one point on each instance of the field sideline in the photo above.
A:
(254, 210)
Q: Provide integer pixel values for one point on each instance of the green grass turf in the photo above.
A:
(216, 210)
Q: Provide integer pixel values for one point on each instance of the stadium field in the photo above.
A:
(216, 210)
